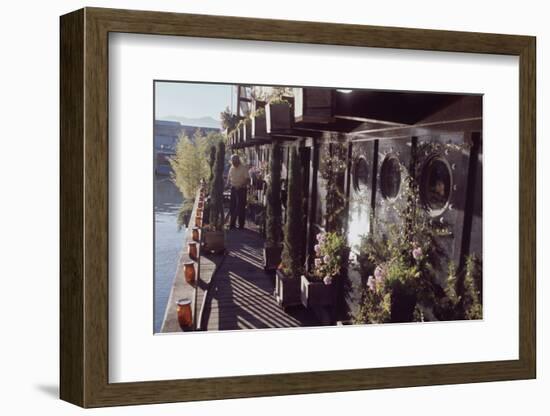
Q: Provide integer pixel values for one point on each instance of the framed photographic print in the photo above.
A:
(255, 207)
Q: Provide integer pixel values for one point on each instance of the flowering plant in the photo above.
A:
(399, 267)
(329, 256)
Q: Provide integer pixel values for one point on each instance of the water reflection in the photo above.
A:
(168, 243)
(167, 196)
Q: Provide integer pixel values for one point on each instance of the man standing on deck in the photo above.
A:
(237, 178)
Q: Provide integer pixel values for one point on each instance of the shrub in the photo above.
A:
(273, 209)
(293, 256)
(400, 267)
(216, 190)
(463, 292)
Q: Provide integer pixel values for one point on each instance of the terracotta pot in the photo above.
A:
(198, 220)
(189, 272)
(195, 234)
(185, 315)
(192, 250)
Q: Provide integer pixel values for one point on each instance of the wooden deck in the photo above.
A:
(240, 294)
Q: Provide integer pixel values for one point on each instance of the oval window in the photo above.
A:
(360, 174)
(390, 177)
(435, 187)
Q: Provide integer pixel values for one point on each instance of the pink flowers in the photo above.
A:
(417, 253)
(328, 260)
(327, 280)
(321, 237)
(371, 283)
(379, 273)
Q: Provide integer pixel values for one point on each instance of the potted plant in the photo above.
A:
(273, 246)
(287, 280)
(214, 233)
(278, 115)
(318, 287)
(401, 265)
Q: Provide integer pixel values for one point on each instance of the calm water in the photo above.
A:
(168, 242)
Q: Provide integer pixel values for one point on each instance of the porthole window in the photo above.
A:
(436, 183)
(390, 177)
(360, 174)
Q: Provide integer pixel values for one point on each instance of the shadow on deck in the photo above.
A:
(240, 295)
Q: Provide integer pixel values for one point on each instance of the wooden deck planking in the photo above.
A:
(240, 295)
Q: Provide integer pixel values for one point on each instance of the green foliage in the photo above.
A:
(278, 94)
(259, 112)
(279, 100)
(463, 293)
(273, 209)
(184, 213)
(333, 168)
(216, 220)
(331, 253)
(375, 308)
(472, 302)
(400, 265)
(228, 119)
(211, 160)
(188, 167)
(190, 163)
(292, 255)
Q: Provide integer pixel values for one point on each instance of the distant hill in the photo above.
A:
(208, 122)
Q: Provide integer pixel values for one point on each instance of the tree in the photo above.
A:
(211, 161)
(191, 161)
(292, 257)
(273, 209)
(216, 190)
(189, 166)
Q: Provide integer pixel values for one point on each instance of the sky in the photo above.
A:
(190, 100)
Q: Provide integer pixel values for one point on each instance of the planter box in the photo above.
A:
(213, 241)
(287, 290)
(316, 293)
(403, 303)
(272, 257)
(278, 117)
(259, 129)
(313, 105)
